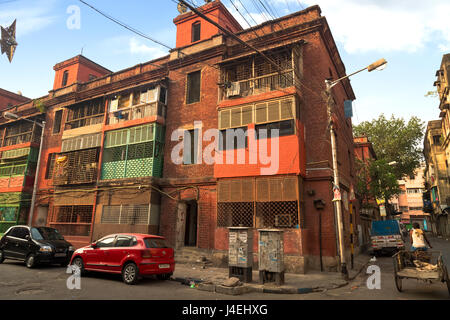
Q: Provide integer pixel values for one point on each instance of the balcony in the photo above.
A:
(21, 133)
(78, 167)
(254, 75)
(139, 111)
(85, 114)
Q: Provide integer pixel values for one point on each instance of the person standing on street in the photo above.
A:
(418, 238)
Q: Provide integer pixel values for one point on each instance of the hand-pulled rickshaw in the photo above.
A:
(420, 265)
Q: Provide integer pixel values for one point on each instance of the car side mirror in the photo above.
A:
(93, 245)
(27, 237)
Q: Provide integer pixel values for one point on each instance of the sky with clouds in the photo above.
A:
(411, 34)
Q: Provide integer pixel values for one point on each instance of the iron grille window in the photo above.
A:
(235, 214)
(196, 27)
(134, 152)
(85, 114)
(193, 87)
(8, 214)
(126, 214)
(279, 214)
(260, 202)
(73, 214)
(57, 123)
(76, 167)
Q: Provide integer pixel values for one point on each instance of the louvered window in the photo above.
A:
(235, 117)
(81, 142)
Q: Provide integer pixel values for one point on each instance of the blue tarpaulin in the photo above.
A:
(385, 228)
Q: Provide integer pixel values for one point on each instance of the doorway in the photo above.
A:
(190, 235)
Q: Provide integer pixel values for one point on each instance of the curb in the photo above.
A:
(245, 288)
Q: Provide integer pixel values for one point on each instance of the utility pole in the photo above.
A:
(336, 183)
(329, 100)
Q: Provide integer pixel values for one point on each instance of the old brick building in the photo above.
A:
(9, 99)
(18, 156)
(369, 210)
(132, 150)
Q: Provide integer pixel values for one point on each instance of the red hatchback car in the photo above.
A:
(131, 254)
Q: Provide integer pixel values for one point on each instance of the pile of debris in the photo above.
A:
(424, 266)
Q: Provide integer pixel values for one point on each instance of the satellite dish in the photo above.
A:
(181, 8)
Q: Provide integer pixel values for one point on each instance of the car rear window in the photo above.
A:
(154, 243)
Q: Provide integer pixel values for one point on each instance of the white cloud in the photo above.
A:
(386, 25)
(374, 25)
(30, 18)
(150, 52)
(122, 45)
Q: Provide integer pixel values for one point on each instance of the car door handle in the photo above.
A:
(17, 244)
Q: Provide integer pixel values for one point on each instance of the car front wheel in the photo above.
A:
(78, 262)
(130, 273)
(30, 262)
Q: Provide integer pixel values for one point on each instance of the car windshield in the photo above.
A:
(154, 243)
(46, 234)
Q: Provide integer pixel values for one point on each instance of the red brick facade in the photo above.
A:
(190, 201)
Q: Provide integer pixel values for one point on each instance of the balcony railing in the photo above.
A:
(137, 112)
(257, 85)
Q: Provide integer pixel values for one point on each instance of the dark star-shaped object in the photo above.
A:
(8, 40)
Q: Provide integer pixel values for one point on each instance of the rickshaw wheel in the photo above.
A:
(398, 283)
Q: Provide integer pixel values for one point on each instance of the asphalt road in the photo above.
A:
(49, 283)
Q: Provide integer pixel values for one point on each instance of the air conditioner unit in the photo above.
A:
(234, 90)
(283, 220)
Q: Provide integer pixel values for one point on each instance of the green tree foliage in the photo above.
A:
(395, 140)
(376, 180)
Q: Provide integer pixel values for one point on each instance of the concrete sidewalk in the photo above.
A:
(203, 277)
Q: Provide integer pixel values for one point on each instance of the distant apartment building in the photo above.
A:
(437, 153)
(410, 200)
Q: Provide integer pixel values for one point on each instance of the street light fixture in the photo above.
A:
(378, 65)
(12, 116)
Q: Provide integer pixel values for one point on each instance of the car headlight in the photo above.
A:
(71, 248)
(45, 249)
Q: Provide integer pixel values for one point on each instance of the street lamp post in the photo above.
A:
(330, 84)
(12, 116)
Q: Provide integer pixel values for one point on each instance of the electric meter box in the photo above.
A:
(240, 248)
(271, 255)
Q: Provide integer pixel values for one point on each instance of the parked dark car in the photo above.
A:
(132, 254)
(35, 245)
